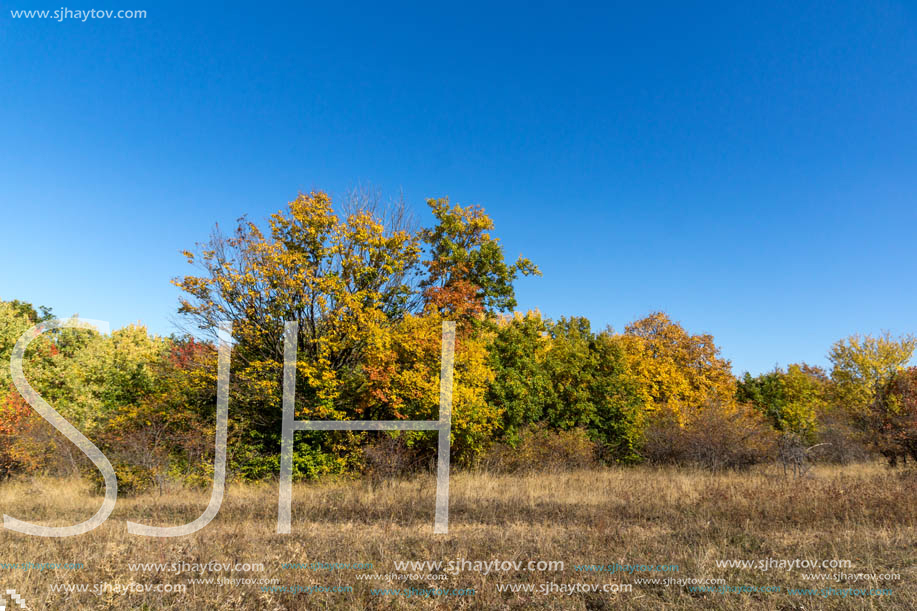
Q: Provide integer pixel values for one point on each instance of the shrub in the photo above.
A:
(391, 457)
(14, 413)
(718, 436)
(132, 479)
(38, 448)
(844, 445)
(542, 449)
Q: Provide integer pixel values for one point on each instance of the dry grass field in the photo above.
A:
(865, 514)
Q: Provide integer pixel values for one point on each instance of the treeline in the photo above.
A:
(370, 291)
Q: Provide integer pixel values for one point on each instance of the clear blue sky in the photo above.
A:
(750, 168)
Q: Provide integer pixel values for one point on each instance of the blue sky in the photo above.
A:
(751, 170)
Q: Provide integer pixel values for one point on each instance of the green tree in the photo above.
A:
(521, 384)
(591, 385)
(621, 417)
(570, 366)
(15, 318)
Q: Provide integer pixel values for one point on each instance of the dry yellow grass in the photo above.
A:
(865, 514)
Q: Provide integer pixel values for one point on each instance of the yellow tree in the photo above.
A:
(674, 368)
(341, 278)
(862, 364)
(792, 400)
(403, 368)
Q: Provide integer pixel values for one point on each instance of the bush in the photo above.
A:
(542, 449)
(844, 445)
(717, 437)
(391, 457)
(132, 479)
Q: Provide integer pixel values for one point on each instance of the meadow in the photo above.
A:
(629, 516)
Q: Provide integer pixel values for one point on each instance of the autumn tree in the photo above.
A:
(674, 368)
(466, 274)
(892, 417)
(14, 420)
(168, 431)
(28, 442)
(338, 278)
(353, 282)
(403, 369)
(87, 377)
(341, 279)
(792, 400)
(862, 364)
(565, 376)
